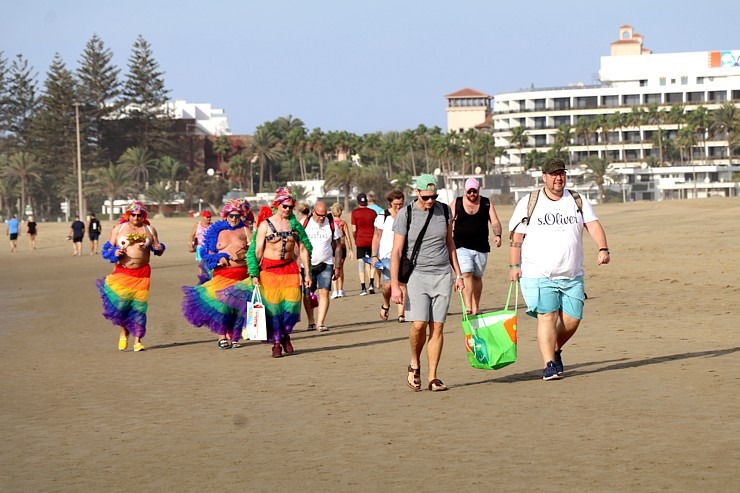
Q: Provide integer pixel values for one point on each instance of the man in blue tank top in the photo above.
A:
(472, 214)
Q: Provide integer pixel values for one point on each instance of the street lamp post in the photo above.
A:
(79, 163)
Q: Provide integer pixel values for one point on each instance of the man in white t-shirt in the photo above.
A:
(546, 253)
(382, 246)
(325, 255)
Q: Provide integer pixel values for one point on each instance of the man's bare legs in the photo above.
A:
(553, 331)
(417, 339)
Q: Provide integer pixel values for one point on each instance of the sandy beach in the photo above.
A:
(650, 402)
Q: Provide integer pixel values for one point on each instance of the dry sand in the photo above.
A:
(651, 401)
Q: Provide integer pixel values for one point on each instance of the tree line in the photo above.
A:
(131, 147)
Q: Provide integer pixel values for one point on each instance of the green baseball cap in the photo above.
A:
(426, 182)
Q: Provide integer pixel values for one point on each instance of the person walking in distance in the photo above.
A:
(372, 204)
(382, 247)
(33, 231)
(363, 219)
(471, 216)
(425, 225)
(347, 249)
(77, 232)
(325, 256)
(11, 229)
(93, 232)
(546, 255)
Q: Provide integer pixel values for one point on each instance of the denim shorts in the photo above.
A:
(544, 295)
(472, 261)
(386, 272)
(322, 280)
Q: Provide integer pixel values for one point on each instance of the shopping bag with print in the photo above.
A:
(490, 338)
(255, 326)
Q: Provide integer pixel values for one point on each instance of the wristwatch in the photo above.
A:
(604, 250)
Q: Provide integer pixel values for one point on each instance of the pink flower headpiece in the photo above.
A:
(240, 206)
(135, 207)
(283, 195)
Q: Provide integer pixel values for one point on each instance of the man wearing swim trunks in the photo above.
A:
(546, 253)
(11, 229)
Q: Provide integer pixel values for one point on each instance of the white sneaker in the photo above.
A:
(341, 293)
(334, 294)
(363, 292)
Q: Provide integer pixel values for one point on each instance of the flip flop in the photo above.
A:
(436, 385)
(224, 344)
(384, 312)
(401, 319)
(416, 386)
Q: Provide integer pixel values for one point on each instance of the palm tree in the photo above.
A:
(635, 119)
(617, 121)
(296, 141)
(686, 141)
(264, 146)
(340, 175)
(519, 138)
(137, 162)
(171, 170)
(111, 181)
(597, 169)
(159, 195)
(700, 120)
(221, 147)
(584, 127)
(563, 139)
(316, 141)
(23, 168)
(725, 122)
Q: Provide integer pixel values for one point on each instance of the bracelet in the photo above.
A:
(460, 277)
(604, 250)
(514, 266)
(374, 255)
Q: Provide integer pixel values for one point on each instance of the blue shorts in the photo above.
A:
(386, 272)
(472, 261)
(322, 280)
(545, 295)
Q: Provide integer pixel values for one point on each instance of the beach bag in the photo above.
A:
(490, 338)
(404, 272)
(255, 327)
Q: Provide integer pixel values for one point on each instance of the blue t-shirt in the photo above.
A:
(13, 225)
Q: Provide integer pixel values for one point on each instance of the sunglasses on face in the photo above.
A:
(472, 190)
(136, 215)
(287, 207)
(320, 215)
(234, 216)
(427, 198)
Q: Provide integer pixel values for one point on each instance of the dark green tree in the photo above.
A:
(98, 93)
(54, 126)
(21, 107)
(145, 98)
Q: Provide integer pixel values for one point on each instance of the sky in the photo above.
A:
(363, 67)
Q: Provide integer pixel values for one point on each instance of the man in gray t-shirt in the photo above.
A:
(430, 286)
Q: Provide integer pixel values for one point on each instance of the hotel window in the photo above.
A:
(684, 80)
(662, 81)
(674, 97)
(673, 81)
(610, 101)
(652, 98)
(717, 95)
(695, 97)
(643, 82)
(539, 104)
(631, 99)
(700, 80)
(561, 103)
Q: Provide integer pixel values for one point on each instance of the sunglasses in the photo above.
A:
(287, 207)
(320, 215)
(235, 216)
(472, 190)
(136, 215)
(427, 198)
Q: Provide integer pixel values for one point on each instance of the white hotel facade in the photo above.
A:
(632, 76)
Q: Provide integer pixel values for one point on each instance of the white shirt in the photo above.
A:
(320, 237)
(553, 246)
(385, 224)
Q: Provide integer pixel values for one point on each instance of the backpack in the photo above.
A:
(328, 216)
(533, 196)
(445, 209)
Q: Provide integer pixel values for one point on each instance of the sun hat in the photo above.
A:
(426, 182)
